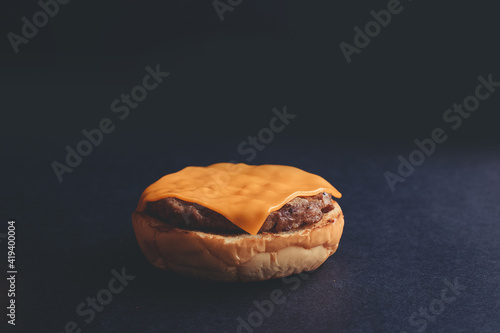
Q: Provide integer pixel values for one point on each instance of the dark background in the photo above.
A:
(353, 120)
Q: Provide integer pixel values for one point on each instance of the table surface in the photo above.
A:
(422, 258)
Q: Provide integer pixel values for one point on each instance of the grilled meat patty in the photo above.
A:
(297, 212)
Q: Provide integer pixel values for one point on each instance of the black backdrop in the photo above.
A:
(352, 122)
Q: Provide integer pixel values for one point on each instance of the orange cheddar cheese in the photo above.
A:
(244, 194)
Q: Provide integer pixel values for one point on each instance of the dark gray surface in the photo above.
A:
(396, 251)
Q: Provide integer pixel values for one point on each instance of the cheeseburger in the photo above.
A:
(238, 222)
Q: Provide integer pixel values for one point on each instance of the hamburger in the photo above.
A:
(238, 222)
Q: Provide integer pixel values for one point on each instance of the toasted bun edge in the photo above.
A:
(241, 257)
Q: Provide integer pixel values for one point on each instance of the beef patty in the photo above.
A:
(297, 212)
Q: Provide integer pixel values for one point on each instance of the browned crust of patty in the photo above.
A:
(297, 213)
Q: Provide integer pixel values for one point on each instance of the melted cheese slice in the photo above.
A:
(244, 194)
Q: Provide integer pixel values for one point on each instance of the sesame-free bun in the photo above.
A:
(238, 257)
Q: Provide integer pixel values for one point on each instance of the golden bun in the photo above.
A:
(242, 257)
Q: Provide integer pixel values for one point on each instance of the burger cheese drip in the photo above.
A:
(244, 194)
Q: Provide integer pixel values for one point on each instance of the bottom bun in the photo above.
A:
(241, 257)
